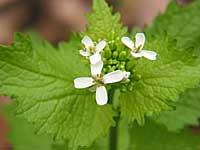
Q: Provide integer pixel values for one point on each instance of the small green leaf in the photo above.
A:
(187, 112)
(102, 24)
(161, 81)
(40, 79)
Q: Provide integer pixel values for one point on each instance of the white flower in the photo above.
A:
(99, 80)
(92, 51)
(137, 47)
(126, 75)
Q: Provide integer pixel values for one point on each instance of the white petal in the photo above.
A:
(113, 77)
(83, 82)
(96, 68)
(149, 54)
(87, 41)
(128, 42)
(100, 46)
(101, 95)
(140, 40)
(126, 74)
(84, 53)
(95, 58)
(136, 55)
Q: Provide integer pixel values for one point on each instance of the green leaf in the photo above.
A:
(157, 137)
(102, 24)
(187, 112)
(182, 23)
(21, 134)
(102, 144)
(161, 81)
(40, 78)
(151, 136)
(177, 22)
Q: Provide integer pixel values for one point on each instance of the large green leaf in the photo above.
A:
(156, 137)
(182, 23)
(187, 111)
(40, 80)
(160, 82)
(21, 134)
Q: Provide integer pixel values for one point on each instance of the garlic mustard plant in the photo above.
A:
(47, 84)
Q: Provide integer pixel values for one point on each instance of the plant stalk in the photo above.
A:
(113, 139)
(114, 130)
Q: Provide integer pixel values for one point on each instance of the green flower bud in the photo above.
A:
(105, 61)
(117, 65)
(123, 55)
(112, 45)
(114, 67)
(105, 70)
(111, 69)
(115, 54)
(109, 66)
(124, 89)
(123, 63)
(110, 61)
(107, 53)
(114, 61)
(121, 67)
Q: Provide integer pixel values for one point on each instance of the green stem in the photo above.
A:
(113, 136)
(113, 131)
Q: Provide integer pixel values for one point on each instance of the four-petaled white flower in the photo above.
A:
(137, 47)
(99, 80)
(92, 51)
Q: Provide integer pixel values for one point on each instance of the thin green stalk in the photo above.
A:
(113, 136)
(113, 131)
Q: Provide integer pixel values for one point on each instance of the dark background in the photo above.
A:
(54, 19)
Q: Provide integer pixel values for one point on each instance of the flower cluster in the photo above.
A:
(99, 78)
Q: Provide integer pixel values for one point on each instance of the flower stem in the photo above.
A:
(113, 136)
(113, 131)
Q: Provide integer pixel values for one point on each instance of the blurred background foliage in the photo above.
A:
(54, 20)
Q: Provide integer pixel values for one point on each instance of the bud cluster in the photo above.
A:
(117, 57)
